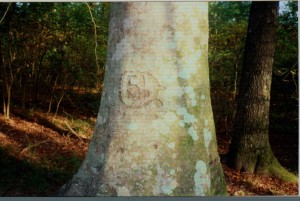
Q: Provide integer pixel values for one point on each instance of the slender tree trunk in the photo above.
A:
(155, 132)
(250, 148)
(2, 101)
(37, 79)
(24, 93)
(2, 80)
(7, 109)
(52, 94)
(7, 59)
(8, 88)
(9, 79)
(59, 101)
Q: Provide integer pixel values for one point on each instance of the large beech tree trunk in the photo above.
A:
(155, 132)
(250, 148)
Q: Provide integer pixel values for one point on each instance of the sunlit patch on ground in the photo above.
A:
(37, 160)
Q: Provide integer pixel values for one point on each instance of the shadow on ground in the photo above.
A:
(26, 178)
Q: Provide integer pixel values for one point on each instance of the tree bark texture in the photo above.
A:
(155, 133)
(250, 148)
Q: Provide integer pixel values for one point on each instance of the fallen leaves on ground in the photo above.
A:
(37, 143)
(43, 146)
(246, 184)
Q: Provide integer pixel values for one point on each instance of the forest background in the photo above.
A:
(52, 69)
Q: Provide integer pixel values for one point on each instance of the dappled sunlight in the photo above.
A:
(38, 143)
(8, 142)
(62, 153)
(53, 61)
(29, 146)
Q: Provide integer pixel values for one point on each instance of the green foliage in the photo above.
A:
(284, 94)
(224, 13)
(49, 48)
(228, 26)
(228, 29)
(286, 54)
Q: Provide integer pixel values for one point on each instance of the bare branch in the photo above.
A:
(95, 36)
(5, 13)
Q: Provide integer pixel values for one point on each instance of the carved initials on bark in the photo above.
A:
(138, 89)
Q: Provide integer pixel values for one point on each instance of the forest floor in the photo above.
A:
(39, 154)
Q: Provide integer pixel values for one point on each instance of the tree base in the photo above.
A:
(255, 163)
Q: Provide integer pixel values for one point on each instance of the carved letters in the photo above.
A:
(138, 89)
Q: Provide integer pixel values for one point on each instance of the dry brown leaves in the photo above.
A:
(245, 184)
(37, 142)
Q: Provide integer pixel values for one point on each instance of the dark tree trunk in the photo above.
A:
(1, 83)
(250, 149)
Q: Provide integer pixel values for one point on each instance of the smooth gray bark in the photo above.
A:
(155, 132)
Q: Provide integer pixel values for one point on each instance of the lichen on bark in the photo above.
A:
(155, 127)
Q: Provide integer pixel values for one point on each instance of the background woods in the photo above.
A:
(48, 54)
(51, 76)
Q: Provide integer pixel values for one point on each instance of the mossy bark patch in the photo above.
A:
(154, 130)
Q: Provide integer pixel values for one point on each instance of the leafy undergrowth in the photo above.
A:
(38, 155)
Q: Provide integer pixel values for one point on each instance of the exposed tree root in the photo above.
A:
(265, 164)
(277, 170)
(30, 146)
